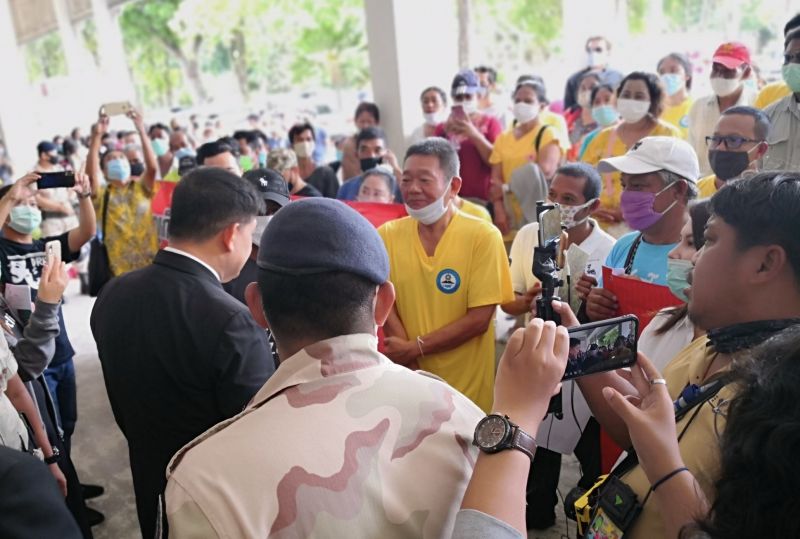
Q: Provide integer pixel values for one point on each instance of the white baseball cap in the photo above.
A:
(652, 154)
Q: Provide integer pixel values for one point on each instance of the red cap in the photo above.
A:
(732, 55)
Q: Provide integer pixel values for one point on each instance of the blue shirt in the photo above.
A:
(650, 262)
(349, 190)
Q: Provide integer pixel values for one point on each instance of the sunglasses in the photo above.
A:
(732, 142)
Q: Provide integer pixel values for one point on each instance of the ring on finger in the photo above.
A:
(658, 382)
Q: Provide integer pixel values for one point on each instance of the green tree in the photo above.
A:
(44, 57)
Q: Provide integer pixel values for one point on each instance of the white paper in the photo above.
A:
(562, 435)
(576, 260)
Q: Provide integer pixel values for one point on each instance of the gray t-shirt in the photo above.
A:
(472, 524)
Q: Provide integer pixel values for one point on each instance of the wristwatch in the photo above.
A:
(495, 433)
(55, 457)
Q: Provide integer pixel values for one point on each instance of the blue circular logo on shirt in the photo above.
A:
(684, 122)
(448, 281)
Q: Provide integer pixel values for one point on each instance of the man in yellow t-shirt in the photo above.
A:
(450, 272)
(736, 146)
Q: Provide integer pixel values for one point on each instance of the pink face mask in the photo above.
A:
(637, 208)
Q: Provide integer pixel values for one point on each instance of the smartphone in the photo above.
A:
(53, 248)
(549, 225)
(602, 346)
(457, 111)
(51, 180)
(116, 108)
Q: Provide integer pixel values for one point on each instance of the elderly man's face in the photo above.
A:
(651, 182)
(424, 182)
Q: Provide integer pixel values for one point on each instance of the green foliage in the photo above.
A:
(44, 57)
(89, 35)
(637, 13)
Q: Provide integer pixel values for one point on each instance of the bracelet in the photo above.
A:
(420, 342)
(85, 195)
(667, 477)
(55, 457)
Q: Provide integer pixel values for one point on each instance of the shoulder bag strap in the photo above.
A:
(105, 213)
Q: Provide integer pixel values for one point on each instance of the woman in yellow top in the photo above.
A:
(640, 102)
(675, 71)
(529, 141)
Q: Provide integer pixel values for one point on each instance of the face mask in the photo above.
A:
(432, 212)
(433, 118)
(53, 159)
(597, 58)
(605, 115)
(585, 98)
(470, 107)
(160, 146)
(791, 76)
(118, 169)
(724, 87)
(262, 159)
(137, 169)
(525, 112)
(728, 164)
(246, 163)
(632, 110)
(339, 155)
(637, 208)
(25, 219)
(677, 274)
(673, 83)
(304, 149)
(370, 162)
(568, 214)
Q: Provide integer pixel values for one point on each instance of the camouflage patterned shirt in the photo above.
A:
(340, 442)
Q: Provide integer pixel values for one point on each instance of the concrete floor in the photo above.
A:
(101, 455)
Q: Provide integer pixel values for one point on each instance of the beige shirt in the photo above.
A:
(784, 135)
(703, 118)
(340, 442)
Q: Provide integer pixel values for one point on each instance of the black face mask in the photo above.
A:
(53, 159)
(137, 169)
(727, 164)
(370, 163)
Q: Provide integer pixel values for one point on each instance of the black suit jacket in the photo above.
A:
(179, 355)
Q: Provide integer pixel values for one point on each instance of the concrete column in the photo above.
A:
(412, 44)
(79, 60)
(117, 84)
(16, 105)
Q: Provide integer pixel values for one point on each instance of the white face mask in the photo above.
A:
(471, 106)
(724, 87)
(597, 58)
(585, 99)
(568, 214)
(304, 149)
(433, 211)
(525, 112)
(434, 118)
(632, 110)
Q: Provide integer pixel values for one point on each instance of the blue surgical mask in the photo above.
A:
(118, 169)
(677, 275)
(25, 219)
(673, 82)
(605, 115)
(262, 159)
(160, 146)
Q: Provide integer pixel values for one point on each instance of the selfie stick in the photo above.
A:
(545, 268)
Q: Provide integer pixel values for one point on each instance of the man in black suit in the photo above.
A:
(178, 353)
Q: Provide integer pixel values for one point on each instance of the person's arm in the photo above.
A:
(474, 323)
(87, 219)
(601, 304)
(523, 303)
(351, 166)
(529, 373)
(548, 159)
(93, 168)
(393, 327)
(23, 403)
(496, 197)
(148, 178)
(651, 422)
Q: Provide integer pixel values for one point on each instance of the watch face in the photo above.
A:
(490, 432)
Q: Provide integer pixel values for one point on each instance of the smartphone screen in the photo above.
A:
(457, 111)
(602, 346)
(50, 180)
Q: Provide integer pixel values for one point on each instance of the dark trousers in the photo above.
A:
(546, 470)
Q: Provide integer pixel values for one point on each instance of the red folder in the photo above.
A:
(638, 297)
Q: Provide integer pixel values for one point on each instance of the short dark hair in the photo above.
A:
(595, 38)
(492, 72)
(593, 185)
(436, 89)
(232, 144)
(699, 212)
(601, 86)
(762, 124)
(371, 108)
(384, 174)
(207, 200)
(764, 210)
(685, 63)
(654, 87)
(793, 23)
(535, 83)
(155, 126)
(319, 306)
(370, 133)
(791, 36)
(297, 129)
(439, 148)
(210, 149)
(44, 147)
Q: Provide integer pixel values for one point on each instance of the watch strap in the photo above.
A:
(55, 457)
(524, 442)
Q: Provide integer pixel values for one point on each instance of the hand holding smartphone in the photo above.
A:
(51, 180)
(116, 108)
(602, 346)
(457, 112)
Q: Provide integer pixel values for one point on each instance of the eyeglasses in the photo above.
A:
(732, 142)
(791, 58)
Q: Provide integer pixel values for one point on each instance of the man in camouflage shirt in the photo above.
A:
(340, 442)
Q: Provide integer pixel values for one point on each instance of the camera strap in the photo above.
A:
(102, 235)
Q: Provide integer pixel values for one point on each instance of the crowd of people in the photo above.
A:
(307, 347)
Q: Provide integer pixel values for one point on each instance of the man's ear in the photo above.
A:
(252, 295)
(772, 262)
(228, 236)
(384, 301)
(455, 185)
(762, 150)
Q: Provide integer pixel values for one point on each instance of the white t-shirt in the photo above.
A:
(661, 349)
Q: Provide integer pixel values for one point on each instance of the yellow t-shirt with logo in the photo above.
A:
(771, 93)
(679, 116)
(469, 269)
(470, 208)
(707, 186)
